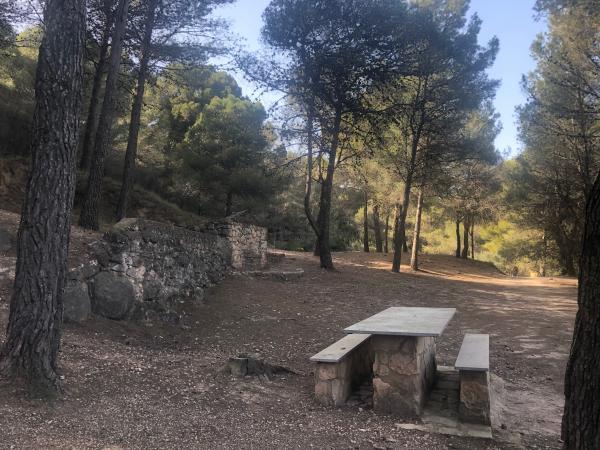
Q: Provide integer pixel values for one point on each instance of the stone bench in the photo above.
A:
(341, 367)
(473, 364)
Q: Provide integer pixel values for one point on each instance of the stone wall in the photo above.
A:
(143, 269)
(248, 244)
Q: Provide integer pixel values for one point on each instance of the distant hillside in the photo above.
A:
(13, 177)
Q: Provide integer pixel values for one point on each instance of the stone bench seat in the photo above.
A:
(341, 367)
(473, 364)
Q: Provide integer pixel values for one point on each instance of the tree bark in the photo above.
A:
(414, 259)
(377, 226)
(323, 219)
(400, 241)
(91, 122)
(473, 240)
(581, 419)
(397, 240)
(309, 172)
(417, 130)
(36, 307)
(458, 246)
(366, 222)
(90, 211)
(387, 233)
(229, 204)
(136, 112)
(465, 250)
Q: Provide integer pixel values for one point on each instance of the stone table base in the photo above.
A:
(403, 373)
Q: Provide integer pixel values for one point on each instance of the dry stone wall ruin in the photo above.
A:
(143, 269)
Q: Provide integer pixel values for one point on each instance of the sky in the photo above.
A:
(512, 21)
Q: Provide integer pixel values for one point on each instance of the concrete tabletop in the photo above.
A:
(405, 321)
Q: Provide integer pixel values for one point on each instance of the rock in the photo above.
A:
(113, 296)
(76, 303)
(245, 365)
(276, 275)
(6, 240)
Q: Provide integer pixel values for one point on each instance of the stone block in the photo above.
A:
(474, 404)
(323, 393)
(6, 240)
(387, 398)
(327, 371)
(113, 296)
(77, 306)
(340, 390)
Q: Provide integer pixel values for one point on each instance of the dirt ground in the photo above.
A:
(153, 385)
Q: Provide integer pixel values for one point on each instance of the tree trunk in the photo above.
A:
(465, 250)
(136, 112)
(323, 219)
(91, 122)
(36, 307)
(473, 240)
(387, 233)
(581, 419)
(400, 241)
(229, 204)
(404, 241)
(414, 259)
(309, 173)
(90, 211)
(397, 240)
(377, 225)
(366, 223)
(458, 246)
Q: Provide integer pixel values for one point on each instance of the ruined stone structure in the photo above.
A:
(143, 268)
(248, 244)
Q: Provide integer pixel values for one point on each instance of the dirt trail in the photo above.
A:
(158, 386)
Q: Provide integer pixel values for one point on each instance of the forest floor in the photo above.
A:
(154, 385)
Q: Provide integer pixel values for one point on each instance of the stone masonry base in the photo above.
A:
(335, 381)
(403, 373)
(474, 404)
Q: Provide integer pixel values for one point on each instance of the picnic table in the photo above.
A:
(402, 344)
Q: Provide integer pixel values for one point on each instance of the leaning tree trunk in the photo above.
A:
(366, 223)
(414, 259)
(91, 122)
(33, 335)
(581, 419)
(458, 246)
(377, 225)
(324, 217)
(90, 211)
(136, 112)
(465, 250)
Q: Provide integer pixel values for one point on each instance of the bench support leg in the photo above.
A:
(403, 373)
(474, 397)
(333, 383)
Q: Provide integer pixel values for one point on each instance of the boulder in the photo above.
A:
(76, 303)
(6, 240)
(113, 297)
